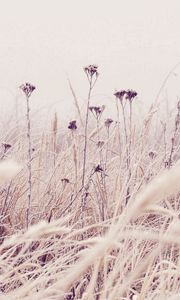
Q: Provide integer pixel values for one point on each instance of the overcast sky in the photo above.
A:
(134, 42)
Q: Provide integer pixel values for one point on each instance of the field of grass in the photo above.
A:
(90, 212)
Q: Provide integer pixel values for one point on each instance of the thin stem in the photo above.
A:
(29, 161)
(107, 149)
(130, 129)
(126, 136)
(98, 140)
(85, 133)
(124, 120)
(102, 183)
(75, 159)
(118, 120)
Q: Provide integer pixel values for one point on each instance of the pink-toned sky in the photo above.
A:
(134, 42)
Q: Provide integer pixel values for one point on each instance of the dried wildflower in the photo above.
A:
(108, 122)
(27, 88)
(167, 164)
(97, 111)
(98, 168)
(65, 180)
(100, 144)
(72, 125)
(152, 154)
(130, 94)
(91, 70)
(120, 94)
(91, 108)
(6, 146)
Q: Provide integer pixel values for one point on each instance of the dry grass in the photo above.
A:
(123, 243)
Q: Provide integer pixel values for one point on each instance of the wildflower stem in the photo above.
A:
(126, 136)
(75, 159)
(27, 89)
(118, 120)
(107, 149)
(98, 141)
(85, 132)
(130, 129)
(29, 161)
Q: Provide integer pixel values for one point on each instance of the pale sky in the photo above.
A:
(134, 42)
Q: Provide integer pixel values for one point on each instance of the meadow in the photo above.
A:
(90, 212)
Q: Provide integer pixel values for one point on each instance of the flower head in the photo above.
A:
(98, 169)
(72, 125)
(130, 94)
(167, 164)
(152, 154)
(120, 94)
(108, 122)
(97, 110)
(91, 70)
(100, 144)
(27, 88)
(6, 146)
(65, 180)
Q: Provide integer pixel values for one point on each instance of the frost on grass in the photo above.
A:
(102, 201)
